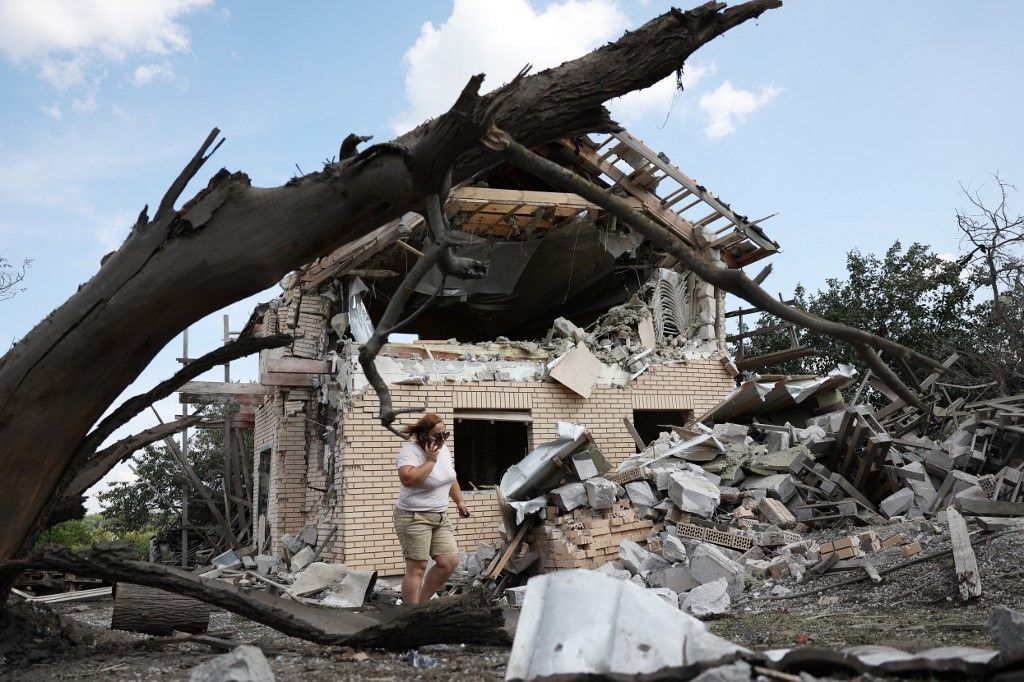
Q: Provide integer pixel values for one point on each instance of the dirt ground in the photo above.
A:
(913, 609)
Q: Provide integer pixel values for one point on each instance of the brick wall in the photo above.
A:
(287, 422)
(369, 483)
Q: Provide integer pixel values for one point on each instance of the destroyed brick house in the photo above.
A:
(498, 357)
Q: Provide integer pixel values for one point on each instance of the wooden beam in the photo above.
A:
(775, 358)
(967, 576)
(219, 388)
(285, 379)
(634, 434)
(299, 365)
(464, 198)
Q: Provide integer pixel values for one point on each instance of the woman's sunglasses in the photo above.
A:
(440, 437)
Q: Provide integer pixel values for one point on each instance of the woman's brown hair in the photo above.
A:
(422, 426)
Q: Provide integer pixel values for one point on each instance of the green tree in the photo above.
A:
(153, 500)
(911, 296)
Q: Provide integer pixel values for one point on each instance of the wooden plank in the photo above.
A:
(967, 575)
(686, 181)
(678, 225)
(778, 357)
(510, 551)
(283, 379)
(511, 197)
(218, 388)
(299, 365)
(634, 434)
(351, 254)
(989, 507)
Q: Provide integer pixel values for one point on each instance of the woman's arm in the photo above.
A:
(455, 492)
(411, 476)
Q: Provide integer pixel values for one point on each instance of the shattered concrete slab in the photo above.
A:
(709, 599)
(601, 493)
(245, 663)
(693, 493)
(315, 578)
(627, 630)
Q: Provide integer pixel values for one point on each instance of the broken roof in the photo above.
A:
(550, 253)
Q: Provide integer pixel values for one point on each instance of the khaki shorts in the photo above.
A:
(424, 535)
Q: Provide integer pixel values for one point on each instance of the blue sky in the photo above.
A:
(854, 121)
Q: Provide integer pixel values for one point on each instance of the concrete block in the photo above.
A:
(638, 560)
(309, 535)
(776, 440)
(515, 596)
(779, 486)
(692, 493)
(640, 494)
(897, 503)
(708, 563)
(677, 578)
(708, 599)
(672, 548)
(569, 496)
(757, 568)
(610, 568)
(667, 595)
(600, 492)
(294, 545)
(351, 591)
(316, 577)
(918, 480)
(265, 563)
(301, 559)
(776, 512)
(245, 663)
(730, 433)
(584, 466)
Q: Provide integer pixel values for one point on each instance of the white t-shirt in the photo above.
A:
(432, 494)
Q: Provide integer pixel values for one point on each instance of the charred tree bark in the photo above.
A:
(157, 612)
(232, 240)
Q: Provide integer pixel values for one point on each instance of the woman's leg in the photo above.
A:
(444, 566)
(412, 581)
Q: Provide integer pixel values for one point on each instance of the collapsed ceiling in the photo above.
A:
(550, 253)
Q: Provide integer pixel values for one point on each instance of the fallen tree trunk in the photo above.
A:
(469, 619)
(157, 612)
(233, 240)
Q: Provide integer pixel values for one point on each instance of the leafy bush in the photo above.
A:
(84, 533)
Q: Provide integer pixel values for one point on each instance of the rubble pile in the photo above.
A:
(298, 574)
(708, 512)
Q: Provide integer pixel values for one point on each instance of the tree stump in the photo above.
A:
(157, 612)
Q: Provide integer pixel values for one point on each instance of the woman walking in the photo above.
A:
(421, 510)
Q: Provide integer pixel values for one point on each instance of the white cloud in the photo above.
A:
(147, 73)
(53, 111)
(726, 106)
(62, 73)
(86, 103)
(660, 98)
(498, 39)
(66, 39)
